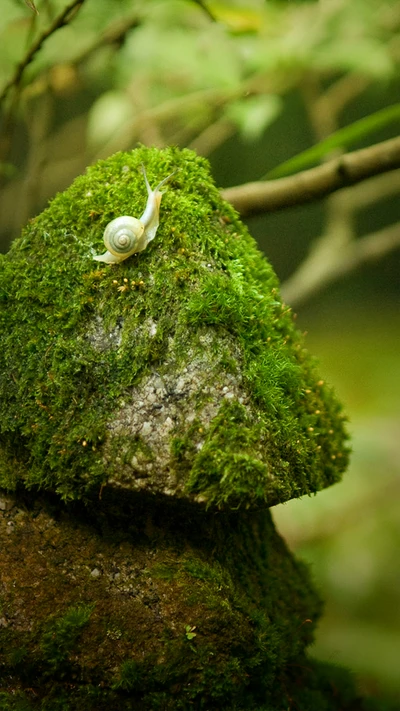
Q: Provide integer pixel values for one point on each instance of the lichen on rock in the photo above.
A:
(178, 371)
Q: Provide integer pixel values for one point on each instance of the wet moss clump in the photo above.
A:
(178, 371)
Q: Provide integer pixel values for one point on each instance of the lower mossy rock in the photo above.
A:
(178, 371)
(132, 605)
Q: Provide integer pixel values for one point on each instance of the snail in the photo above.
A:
(127, 235)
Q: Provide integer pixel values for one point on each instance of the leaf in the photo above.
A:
(190, 633)
(238, 19)
(254, 114)
(107, 115)
(344, 138)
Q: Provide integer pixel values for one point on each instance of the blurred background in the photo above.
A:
(251, 84)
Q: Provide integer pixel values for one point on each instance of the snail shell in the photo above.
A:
(127, 235)
(122, 238)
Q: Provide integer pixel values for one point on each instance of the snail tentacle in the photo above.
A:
(128, 235)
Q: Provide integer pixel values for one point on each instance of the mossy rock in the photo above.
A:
(178, 371)
(145, 606)
(169, 400)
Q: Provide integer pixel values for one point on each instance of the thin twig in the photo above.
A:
(60, 21)
(170, 109)
(325, 106)
(114, 34)
(334, 99)
(314, 184)
(320, 269)
(377, 188)
(32, 6)
(212, 136)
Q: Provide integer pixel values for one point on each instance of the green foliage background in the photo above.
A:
(250, 85)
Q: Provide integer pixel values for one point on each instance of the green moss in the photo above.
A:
(191, 610)
(14, 702)
(61, 635)
(82, 343)
(193, 607)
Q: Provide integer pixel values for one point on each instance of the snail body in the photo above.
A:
(128, 235)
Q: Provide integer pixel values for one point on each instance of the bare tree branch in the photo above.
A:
(326, 263)
(324, 106)
(314, 184)
(377, 188)
(212, 136)
(338, 251)
(59, 21)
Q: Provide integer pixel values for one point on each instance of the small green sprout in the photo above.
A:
(189, 632)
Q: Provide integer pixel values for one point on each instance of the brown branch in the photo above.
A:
(325, 106)
(336, 97)
(316, 183)
(60, 21)
(373, 190)
(330, 262)
(212, 136)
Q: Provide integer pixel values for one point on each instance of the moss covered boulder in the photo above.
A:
(178, 371)
(150, 413)
(132, 604)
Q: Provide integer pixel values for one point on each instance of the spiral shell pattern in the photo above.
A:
(122, 236)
